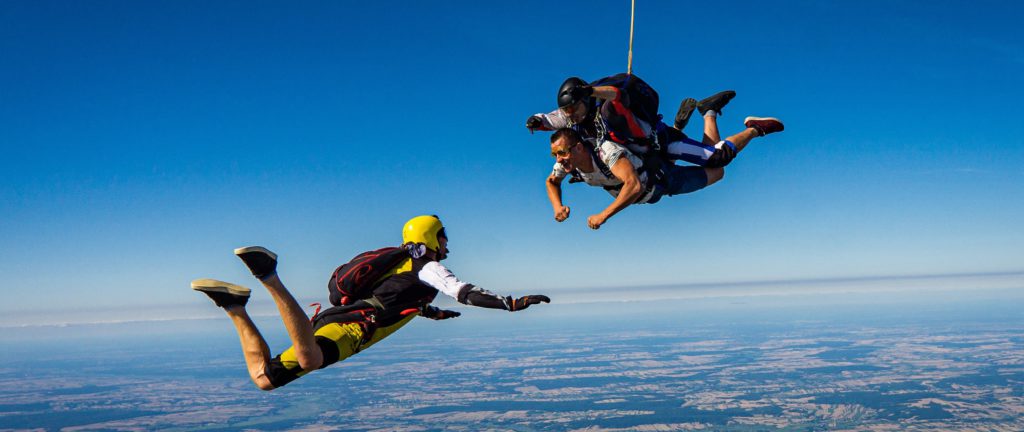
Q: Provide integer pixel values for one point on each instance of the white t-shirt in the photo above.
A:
(610, 153)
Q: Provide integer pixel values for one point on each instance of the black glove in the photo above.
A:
(525, 302)
(581, 92)
(438, 313)
(534, 123)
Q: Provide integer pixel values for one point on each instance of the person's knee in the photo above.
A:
(714, 175)
(260, 378)
(310, 359)
(725, 152)
(263, 383)
(718, 160)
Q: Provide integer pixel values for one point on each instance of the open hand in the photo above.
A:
(525, 302)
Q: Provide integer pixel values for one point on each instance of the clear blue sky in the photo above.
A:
(143, 141)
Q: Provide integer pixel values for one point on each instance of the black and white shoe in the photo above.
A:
(222, 293)
(764, 125)
(261, 261)
(715, 102)
(683, 115)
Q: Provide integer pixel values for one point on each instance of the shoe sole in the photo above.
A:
(725, 94)
(688, 106)
(750, 119)
(213, 285)
(260, 249)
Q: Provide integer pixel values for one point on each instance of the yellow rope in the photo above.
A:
(629, 64)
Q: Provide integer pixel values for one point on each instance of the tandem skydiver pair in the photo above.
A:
(608, 134)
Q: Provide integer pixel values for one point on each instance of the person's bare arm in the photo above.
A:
(554, 186)
(630, 192)
(606, 92)
(600, 92)
(546, 122)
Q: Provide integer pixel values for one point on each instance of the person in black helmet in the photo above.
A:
(400, 293)
(577, 109)
(604, 110)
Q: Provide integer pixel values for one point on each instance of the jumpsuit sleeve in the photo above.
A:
(554, 120)
(438, 276)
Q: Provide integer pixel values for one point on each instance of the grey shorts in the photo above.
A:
(680, 180)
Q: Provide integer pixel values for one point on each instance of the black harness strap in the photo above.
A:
(601, 166)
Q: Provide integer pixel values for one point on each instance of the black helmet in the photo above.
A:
(565, 91)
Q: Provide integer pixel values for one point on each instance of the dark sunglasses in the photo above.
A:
(563, 152)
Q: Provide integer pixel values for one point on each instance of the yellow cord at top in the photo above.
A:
(629, 64)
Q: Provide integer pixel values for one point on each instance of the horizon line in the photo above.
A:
(813, 280)
(639, 293)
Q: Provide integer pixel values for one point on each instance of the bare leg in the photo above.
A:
(714, 175)
(756, 126)
(254, 347)
(300, 330)
(711, 107)
(741, 139)
(711, 135)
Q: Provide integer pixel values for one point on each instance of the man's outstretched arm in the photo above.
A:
(553, 120)
(476, 296)
(607, 92)
(437, 275)
(554, 187)
(600, 92)
(630, 192)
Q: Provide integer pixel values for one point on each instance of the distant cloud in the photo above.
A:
(947, 171)
(879, 284)
(746, 290)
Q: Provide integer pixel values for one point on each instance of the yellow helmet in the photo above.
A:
(424, 230)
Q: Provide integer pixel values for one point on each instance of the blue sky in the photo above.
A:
(143, 141)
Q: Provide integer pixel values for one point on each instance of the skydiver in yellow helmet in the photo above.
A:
(399, 290)
(424, 233)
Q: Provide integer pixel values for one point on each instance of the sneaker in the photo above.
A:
(261, 262)
(764, 125)
(715, 102)
(683, 115)
(222, 293)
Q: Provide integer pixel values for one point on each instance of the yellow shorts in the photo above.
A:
(337, 342)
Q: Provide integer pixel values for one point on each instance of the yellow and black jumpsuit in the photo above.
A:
(343, 331)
